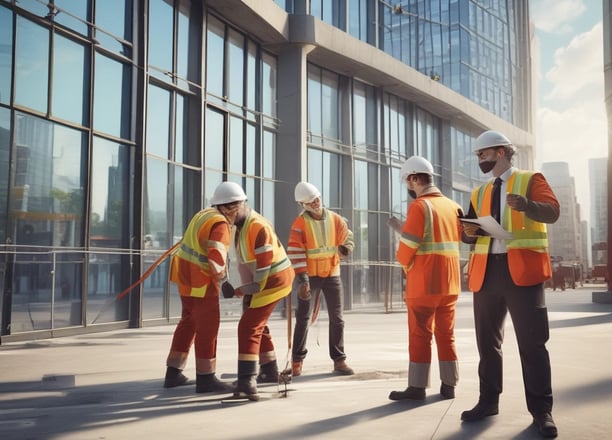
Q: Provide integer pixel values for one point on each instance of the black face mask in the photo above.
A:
(412, 193)
(487, 166)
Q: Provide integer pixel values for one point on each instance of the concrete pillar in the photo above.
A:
(291, 139)
(606, 296)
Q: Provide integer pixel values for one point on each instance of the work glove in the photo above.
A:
(517, 202)
(344, 251)
(228, 290)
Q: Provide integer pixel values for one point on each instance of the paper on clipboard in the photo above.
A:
(489, 225)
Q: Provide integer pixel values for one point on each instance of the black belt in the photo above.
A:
(498, 257)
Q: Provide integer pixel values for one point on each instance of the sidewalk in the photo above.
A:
(109, 385)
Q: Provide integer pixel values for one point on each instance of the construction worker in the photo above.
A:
(429, 254)
(267, 277)
(507, 275)
(319, 238)
(199, 268)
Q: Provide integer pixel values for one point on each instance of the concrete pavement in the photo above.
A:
(109, 385)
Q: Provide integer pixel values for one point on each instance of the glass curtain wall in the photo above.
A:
(63, 96)
(468, 45)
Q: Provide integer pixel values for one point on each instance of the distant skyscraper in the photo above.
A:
(599, 206)
(565, 235)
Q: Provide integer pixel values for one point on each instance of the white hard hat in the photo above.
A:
(416, 165)
(306, 192)
(227, 192)
(490, 139)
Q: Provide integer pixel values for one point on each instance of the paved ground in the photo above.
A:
(108, 385)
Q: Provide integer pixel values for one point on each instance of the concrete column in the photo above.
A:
(606, 296)
(291, 139)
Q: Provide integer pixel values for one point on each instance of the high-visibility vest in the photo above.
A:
(320, 240)
(275, 278)
(431, 261)
(528, 257)
(191, 251)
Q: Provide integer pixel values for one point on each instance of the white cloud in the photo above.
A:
(578, 67)
(555, 16)
(571, 121)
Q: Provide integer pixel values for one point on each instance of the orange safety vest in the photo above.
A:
(528, 257)
(429, 248)
(192, 252)
(313, 244)
(267, 262)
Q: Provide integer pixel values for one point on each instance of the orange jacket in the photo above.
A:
(528, 258)
(429, 247)
(201, 258)
(313, 244)
(260, 250)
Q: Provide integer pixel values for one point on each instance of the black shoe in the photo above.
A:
(411, 393)
(447, 391)
(480, 411)
(208, 383)
(546, 425)
(247, 387)
(268, 373)
(174, 377)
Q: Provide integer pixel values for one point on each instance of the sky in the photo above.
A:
(571, 122)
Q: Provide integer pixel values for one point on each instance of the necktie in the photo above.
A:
(495, 208)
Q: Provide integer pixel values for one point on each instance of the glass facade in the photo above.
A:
(119, 118)
(468, 45)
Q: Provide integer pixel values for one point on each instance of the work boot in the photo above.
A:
(545, 424)
(340, 367)
(296, 368)
(247, 384)
(447, 391)
(268, 373)
(480, 411)
(410, 393)
(174, 377)
(208, 383)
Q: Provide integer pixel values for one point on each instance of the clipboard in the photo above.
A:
(490, 226)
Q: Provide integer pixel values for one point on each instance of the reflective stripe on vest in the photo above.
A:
(320, 240)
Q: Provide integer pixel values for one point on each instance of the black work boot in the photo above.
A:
(411, 393)
(208, 383)
(268, 373)
(247, 384)
(174, 377)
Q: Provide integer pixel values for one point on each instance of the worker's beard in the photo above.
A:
(412, 193)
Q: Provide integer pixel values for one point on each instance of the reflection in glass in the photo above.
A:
(112, 92)
(268, 85)
(32, 65)
(47, 211)
(74, 14)
(6, 59)
(109, 194)
(108, 227)
(158, 121)
(49, 181)
(235, 146)
(161, 17)
(214, 57)
(156, 203)
(235, 68)
(69, 80)
(213, 144)
(5, 125)
(114, 17)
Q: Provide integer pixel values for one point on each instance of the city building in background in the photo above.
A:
(599, 209)
(565, 239)
(118, 119)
